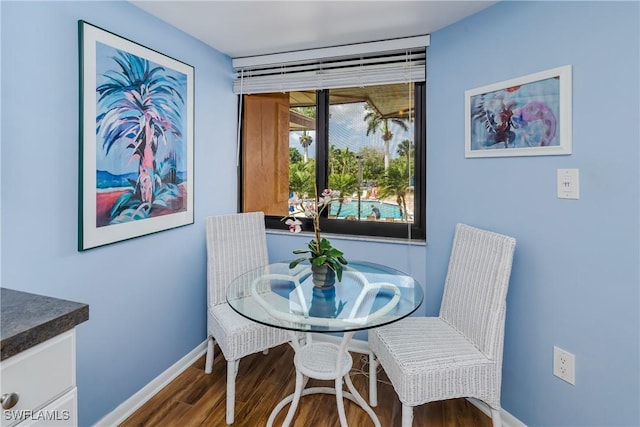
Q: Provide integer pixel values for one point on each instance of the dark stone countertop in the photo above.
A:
(29, 319)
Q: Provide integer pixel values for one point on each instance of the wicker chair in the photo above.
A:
(236, 243)
(458, 353)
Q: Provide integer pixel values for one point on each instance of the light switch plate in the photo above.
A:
(568, 184)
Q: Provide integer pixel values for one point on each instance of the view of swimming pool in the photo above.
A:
(387, 210)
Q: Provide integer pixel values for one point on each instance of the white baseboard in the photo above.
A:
(132, 404)
(129, 406)
(508, 420)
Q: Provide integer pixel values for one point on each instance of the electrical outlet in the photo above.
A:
(564, 365)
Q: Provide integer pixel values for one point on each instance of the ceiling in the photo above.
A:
(247, 28)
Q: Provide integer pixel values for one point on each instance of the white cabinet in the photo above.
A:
(44, 378)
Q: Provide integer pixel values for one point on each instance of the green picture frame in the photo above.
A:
(136, 140)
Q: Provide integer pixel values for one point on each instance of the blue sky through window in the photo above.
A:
(347, 128)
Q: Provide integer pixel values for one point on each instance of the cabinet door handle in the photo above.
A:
(9, 400)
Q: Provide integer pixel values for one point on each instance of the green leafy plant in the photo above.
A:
(320, 249)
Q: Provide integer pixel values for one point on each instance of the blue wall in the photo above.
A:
(147, 295)
(575, 278)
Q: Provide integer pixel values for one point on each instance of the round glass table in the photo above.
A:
(368, 296)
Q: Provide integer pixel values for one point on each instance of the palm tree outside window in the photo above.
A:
(375, 121)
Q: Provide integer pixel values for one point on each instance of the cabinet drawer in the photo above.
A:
(38, 375)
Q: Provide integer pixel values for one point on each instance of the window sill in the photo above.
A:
(390, 240)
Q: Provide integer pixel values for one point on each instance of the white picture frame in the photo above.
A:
(524, 116)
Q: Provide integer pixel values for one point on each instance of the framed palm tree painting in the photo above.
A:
(136, 139)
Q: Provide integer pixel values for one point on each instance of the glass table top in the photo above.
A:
(369, 295)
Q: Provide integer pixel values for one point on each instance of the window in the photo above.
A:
(366, 141)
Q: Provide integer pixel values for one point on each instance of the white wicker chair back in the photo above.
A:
(236, 243)
(475, 293)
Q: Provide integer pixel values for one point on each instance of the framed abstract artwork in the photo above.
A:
(136, 140)
(525, 116)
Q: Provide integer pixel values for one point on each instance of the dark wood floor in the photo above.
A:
(197, 399)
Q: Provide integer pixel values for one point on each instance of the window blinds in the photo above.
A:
(365, 64)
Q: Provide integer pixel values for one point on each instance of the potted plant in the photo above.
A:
(326, 261)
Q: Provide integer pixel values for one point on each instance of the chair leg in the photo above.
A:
(407, 415)
(373, 381)
(495, 417)
(232, 371)
(208, 363)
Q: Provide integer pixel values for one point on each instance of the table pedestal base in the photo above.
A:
(323, 361)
